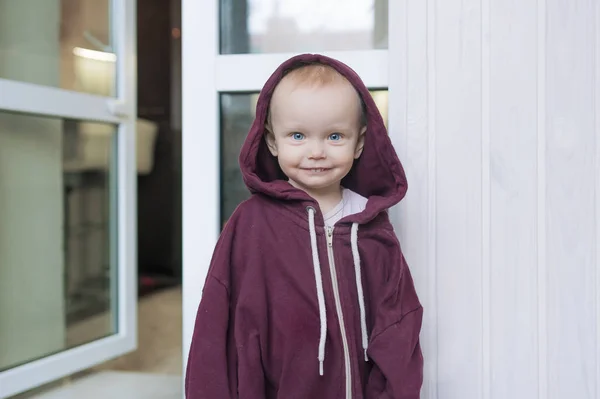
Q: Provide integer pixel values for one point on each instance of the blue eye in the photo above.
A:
(297, 136)
(335, 137)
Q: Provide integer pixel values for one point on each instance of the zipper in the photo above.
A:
(338, 308)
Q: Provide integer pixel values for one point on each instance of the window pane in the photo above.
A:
(274, 26)
(59, 43)
(237, 114)
(57, 263)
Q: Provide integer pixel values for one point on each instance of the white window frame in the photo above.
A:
(207, 74)
(121, 110)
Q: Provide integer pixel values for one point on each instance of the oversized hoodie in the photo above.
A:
(292, 309)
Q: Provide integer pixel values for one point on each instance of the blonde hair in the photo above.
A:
(317, 75)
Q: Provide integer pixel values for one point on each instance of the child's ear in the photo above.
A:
(271, 143)
(360, 144)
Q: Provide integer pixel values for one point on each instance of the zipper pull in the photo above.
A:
(330, 237)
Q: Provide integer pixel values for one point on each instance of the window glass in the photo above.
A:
(57, 236)
(71, 38)
(274, 26)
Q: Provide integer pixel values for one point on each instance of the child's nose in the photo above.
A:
(317, 150)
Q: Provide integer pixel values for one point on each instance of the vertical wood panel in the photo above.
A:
(570, 198)
(507, 142)
(486, 192)
(597, 191)
(458, 186)
(416, 231)
(513, 146)
(428, 118)
(542, 319)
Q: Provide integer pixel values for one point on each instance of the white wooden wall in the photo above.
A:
(501, 108)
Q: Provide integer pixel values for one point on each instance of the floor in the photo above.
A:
(159, 337)
(154, 370)
(117, 385)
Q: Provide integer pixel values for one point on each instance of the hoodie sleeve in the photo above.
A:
(218, 365)
(211, 367)
(395, 350)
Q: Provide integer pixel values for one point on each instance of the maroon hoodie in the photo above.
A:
(286, 299)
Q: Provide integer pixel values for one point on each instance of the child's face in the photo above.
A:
(316, 134)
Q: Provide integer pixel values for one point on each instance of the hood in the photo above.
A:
(377, 175)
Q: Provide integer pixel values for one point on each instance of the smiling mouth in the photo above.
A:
(316, 170)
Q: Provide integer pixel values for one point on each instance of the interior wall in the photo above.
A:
(159, 203)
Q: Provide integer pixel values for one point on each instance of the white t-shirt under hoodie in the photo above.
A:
(350, 204)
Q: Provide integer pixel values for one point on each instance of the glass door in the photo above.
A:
(230, 48)
(68, 131)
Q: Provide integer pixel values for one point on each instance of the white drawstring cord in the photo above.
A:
(319, 282)
(359, 288)
(321, 295)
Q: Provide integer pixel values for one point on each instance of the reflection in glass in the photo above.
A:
(274, 26)
(57, 263)
(70, 38)
(237, 114)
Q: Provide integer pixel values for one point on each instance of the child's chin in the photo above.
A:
(316, 186)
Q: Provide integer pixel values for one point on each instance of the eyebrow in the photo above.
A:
(328, 130)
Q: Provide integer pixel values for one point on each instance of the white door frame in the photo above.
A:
(206, 74)
(122, 110)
